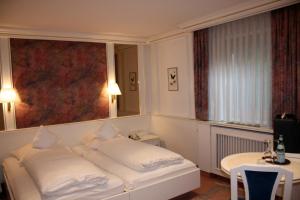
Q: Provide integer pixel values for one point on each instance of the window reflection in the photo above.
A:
(126, 67)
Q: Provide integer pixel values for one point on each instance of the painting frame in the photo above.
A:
(132, 81)
(173, 79)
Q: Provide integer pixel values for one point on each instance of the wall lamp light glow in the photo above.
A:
(113, 90)
(8, 95)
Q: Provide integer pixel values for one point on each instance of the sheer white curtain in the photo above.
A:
(240, 71)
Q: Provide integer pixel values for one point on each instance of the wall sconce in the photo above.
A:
(113, 90)
(8, 95)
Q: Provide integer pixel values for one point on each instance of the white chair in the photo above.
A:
(260, 182)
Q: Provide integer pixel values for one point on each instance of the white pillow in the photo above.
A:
(44, 139)
(88, 138)
(95, 143)
(21, 152)
(107, 131)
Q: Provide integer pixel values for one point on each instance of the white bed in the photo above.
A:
(163, 183)
(22, 187)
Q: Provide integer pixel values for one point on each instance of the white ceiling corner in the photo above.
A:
(131, 21)
(238, 9)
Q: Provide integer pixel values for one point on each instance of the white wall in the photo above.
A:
(177, 134)
(188, 137)
(144, 69)
(205, 148)
(175, 52)
(173, 112)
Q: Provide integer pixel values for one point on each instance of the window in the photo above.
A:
(240, 71)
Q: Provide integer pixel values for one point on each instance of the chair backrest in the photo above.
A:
(260, 182)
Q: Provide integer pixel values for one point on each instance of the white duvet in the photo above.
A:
(60, 172)
(137, 155)
(133, 179)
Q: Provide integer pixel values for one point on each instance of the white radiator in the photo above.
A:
(227, 145)
(227, 141)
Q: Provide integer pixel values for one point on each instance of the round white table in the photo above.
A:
(235, 160)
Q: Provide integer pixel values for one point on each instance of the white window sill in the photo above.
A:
(242, 127)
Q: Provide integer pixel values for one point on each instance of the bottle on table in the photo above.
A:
(280, 150)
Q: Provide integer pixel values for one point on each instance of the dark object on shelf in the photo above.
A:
(134, 136)
(287, 125)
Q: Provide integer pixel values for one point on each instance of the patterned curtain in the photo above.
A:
(286, 60)
(201, 73)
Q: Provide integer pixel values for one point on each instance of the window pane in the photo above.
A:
(240, 71)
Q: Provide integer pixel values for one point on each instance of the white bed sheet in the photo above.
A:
(24, 188)
(133, 179)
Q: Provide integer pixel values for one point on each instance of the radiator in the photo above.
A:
(227, 145)
(227, 141)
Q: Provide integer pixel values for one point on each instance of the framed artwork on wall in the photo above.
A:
(172, 79)
(132, 81)
(74, 76)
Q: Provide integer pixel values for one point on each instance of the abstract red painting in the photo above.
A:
(59, 81)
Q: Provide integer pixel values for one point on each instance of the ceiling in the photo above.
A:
(143, 18)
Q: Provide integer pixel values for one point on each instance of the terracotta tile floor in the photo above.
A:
(212, 188)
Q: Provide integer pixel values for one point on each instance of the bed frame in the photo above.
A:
(169, 187)
(161, 190)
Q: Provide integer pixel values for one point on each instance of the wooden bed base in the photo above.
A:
(161, 190)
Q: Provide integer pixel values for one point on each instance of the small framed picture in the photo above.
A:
(172, 79)
(132, 81)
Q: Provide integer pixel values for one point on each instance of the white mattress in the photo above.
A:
(24, 188)
(133, 179)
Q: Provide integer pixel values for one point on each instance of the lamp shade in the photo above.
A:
(8, 95)
(114, 89)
